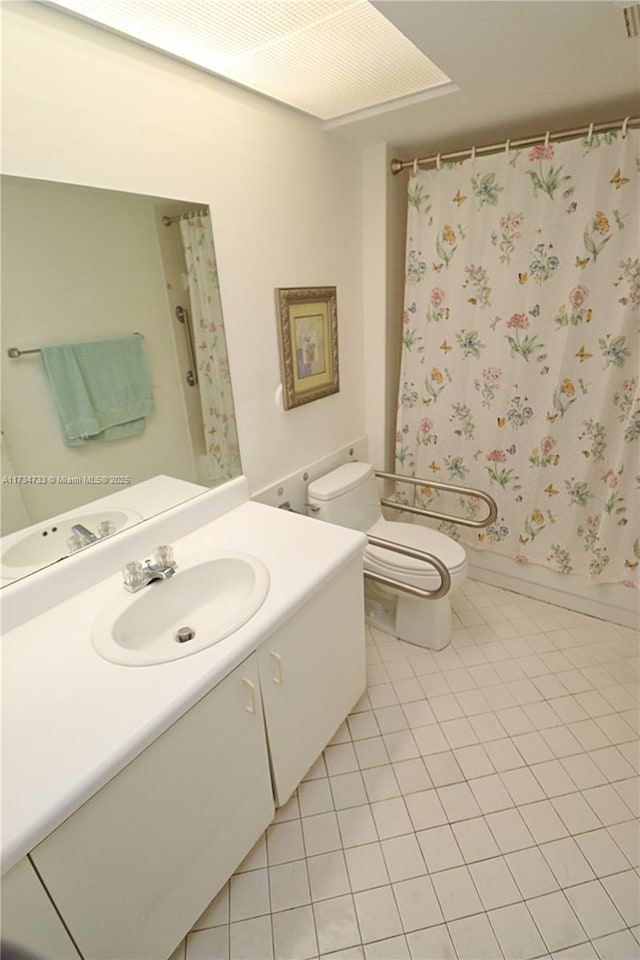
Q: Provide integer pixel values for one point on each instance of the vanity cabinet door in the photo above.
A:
(312, 672)
(29, 919)
(135, 866)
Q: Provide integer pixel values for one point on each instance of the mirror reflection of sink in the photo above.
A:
(208, 598)
(47, 542)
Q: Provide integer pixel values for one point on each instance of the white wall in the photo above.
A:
(84, 106)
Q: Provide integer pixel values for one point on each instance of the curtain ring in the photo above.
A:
(438, 162)
(546, 139)
(590, 135)
(625, 123)
(415, 167)
(507, 147)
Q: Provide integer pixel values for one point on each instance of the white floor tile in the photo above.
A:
(321, 834)
(594, 909)
(553, 778)
(531, 872)
(516, 932)
(607, 805)
(356, 826)
(627, 837)
(567, 862)
(284, 842)
(522, 786)
(412, 775)
(494, 883)
(434, 943)
(556, 921)
(378, 916)
(543, 821)
(348, 790)
(249, 895)
(616, 946)
(510, 830)
(583, 771)
(575, 813)
(294, 935)
(336, 924)
(251, 939)
(366, 867)
(404, 858)
(314, 796)
(532, 747)
(624, 890)
(456, 892)
(458, 802)
(371, 752)
(602, 852)
(503, 755)
(328, 875)
(289, 885)
(475, 840)
(474, 761)
(417, 903)
(391, 818)
(491, 793)
(394, 948)
(380, 783)
(582, 951)
(212, 944)
(443, 769)
(439, 848)
(425, 809)
(474, 939)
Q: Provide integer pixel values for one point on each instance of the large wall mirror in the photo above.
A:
(108, 271)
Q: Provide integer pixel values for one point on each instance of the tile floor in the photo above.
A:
(479, 803)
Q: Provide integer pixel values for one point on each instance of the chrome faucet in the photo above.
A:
(86, 535)
(138, 574)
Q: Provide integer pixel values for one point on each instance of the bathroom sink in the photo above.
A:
(47, 542)
(208, 598)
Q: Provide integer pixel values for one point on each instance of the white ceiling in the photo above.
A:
(522, 66)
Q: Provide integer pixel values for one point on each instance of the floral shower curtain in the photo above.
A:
(214, 378)
(520, 349)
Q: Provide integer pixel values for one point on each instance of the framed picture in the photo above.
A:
(308, 334)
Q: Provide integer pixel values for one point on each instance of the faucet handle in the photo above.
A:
(164, 555)
(133, 574)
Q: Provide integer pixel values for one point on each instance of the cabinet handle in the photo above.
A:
(278, 660)
(252, 689)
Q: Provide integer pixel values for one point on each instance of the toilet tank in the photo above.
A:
(347, 496)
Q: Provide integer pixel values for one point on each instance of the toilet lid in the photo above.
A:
(419, 538)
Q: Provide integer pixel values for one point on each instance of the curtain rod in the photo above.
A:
(185, 216)
(398, 165)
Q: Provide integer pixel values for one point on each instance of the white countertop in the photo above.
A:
(71, 720)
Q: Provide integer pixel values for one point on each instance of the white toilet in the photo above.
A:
(349, 496)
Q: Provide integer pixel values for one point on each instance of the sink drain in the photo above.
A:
(184, 634)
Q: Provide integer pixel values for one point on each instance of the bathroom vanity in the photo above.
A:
(131, 793)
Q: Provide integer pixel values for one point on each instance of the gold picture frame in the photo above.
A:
(308, 336)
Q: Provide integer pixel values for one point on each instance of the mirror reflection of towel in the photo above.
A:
(102, 388)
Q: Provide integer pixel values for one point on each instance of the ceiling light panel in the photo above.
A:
(325, 57)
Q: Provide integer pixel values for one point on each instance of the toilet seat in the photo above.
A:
(412, 571)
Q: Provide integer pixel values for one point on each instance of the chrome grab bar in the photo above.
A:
(450, 488)
(191, 375)
(445, 576)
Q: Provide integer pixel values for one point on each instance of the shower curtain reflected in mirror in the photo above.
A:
(214, 379)
(520, 348)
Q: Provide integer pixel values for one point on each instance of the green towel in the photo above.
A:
(102, 388)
